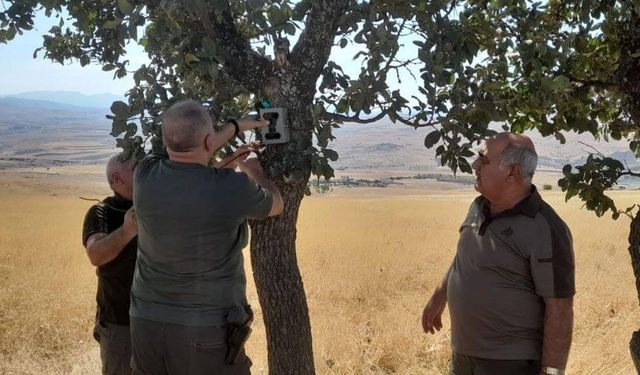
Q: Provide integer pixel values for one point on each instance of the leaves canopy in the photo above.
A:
(554, 66)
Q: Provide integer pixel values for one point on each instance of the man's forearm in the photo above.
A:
(558, 328)
(105, 249)
(271, 187)
(224, 135)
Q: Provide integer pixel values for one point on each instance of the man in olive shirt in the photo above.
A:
(189, 285)
(109, 236)
(511, 285)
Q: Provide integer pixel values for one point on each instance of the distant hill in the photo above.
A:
(73, 98)
(34, 104)
(37, 132)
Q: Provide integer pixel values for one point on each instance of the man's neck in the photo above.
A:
(188, 158)
(509, 199)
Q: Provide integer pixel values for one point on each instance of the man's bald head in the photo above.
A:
(184, 125)
(120, 175)
(517, 149)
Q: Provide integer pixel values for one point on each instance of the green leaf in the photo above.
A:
(464, 166)
(125, 7)
(120, 109)
(254, 4)
(290, 28)
(330, 154)
(561, 83)
(432, 138)
(190, 58)
(118, 127)
(112, 24)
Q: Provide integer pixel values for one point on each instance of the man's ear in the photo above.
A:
(515, 172)
(116, 177)
(208, 142)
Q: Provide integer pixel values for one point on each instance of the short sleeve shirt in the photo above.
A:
(114, 277)
(192, 227)
(504, 268)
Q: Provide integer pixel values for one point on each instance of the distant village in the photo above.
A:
(322, 185)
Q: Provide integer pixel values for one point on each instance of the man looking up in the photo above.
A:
(109, 236)
(189, 285)
(511, 285)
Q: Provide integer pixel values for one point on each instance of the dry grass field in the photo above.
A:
(369, 262)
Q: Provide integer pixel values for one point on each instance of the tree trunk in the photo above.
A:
(280, 289)
(273, 247)
(628, 77)
(634, 251)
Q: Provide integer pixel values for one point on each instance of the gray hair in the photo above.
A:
(118, 162)
(522, 156)
(182, 123)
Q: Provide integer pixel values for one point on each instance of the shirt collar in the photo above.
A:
(528, 206)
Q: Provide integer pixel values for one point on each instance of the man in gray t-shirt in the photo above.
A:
(189, 284)
(511, 285)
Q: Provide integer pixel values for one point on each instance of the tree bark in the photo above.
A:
(628, 71)
(628, 77)
(634, 251)
(280, 289)
(273, 241)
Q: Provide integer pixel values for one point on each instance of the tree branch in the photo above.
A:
(630, 173)
(342, 118)
(311, 52)
(246, 65)
(607, 85)
(417, 125)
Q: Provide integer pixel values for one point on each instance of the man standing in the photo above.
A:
(511, 285)
(109, 236)
(189, 312)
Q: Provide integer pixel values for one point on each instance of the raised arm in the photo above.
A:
(104, 247)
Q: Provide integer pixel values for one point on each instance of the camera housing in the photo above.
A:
(278, 130)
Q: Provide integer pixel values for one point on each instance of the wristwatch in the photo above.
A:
(235, 125)
(551, 371)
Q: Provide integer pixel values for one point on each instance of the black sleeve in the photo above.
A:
(553, 264)
(95, 221)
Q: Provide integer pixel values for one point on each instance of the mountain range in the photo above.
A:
(58, 128)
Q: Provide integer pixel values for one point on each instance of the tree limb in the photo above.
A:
(342, 118)
(246, 65)
(630, 173)
(417, 125)
(311, 52)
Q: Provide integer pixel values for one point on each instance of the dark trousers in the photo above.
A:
(115, 348)
(467, 365)
(168, 349)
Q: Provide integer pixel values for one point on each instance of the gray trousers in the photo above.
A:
(168, 349)
(115, 348)
(467, 365)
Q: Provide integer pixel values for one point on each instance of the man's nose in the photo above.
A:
(475, 165)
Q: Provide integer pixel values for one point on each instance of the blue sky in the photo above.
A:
(19, 72)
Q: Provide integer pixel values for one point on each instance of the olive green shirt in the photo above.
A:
(504, 268)
(191, 231)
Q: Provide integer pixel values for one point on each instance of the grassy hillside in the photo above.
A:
(368, 263)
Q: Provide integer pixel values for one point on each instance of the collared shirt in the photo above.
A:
(192, 227)
(504, 268)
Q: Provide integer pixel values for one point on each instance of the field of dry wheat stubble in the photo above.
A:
(369, 260)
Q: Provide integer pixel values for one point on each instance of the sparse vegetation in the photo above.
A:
(547, 187)
(368, 265)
